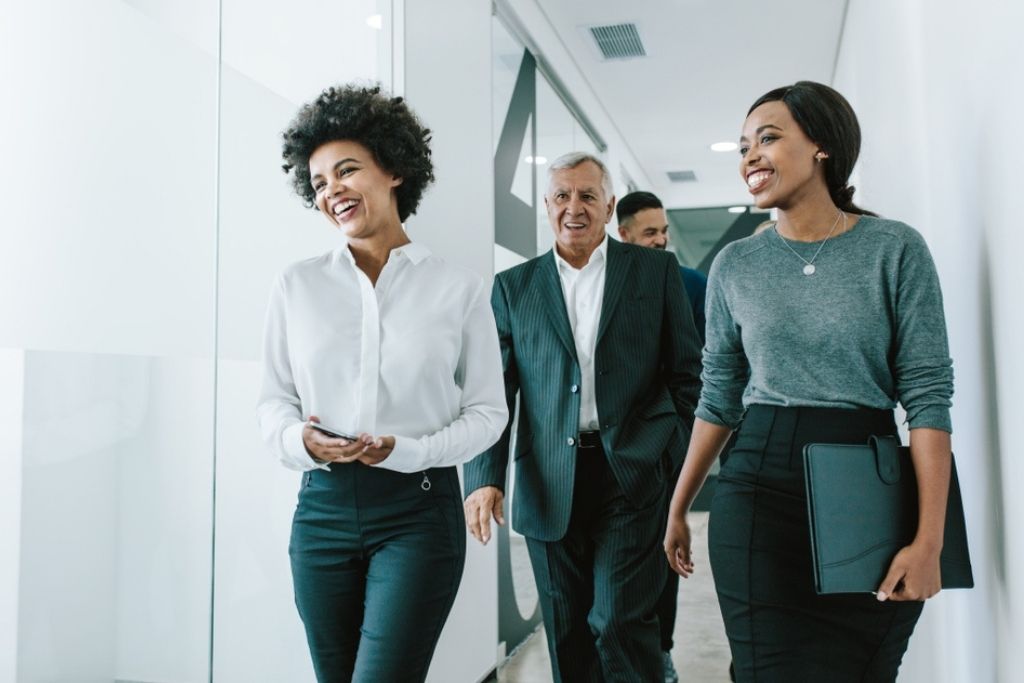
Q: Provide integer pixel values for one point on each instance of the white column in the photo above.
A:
(445, 64)
(912, 92)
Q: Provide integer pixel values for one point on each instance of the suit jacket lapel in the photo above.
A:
(620, 260)
(550, 291)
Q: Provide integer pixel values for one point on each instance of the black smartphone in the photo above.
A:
(331, 431)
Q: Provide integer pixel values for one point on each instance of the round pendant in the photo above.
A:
(809, 269)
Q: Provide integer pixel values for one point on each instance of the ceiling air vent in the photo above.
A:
(618, 41)
(682, 176)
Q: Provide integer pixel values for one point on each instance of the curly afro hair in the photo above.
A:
(384, 125)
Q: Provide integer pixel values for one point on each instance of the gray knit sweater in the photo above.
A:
(866, 330)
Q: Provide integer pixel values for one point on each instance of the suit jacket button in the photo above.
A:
(571, 441)
(574, 388)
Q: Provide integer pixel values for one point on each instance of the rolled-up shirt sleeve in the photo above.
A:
(922, 367)
(726, 370)
(482, 411)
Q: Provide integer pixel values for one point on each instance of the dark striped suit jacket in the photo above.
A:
(647, 365)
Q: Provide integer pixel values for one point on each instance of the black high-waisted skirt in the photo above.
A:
(779, 629)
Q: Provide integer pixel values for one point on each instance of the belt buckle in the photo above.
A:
(589, 439)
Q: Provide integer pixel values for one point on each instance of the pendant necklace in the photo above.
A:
(809, 268)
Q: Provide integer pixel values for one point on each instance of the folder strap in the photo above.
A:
(886, 458)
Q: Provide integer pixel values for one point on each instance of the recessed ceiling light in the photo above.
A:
(737, 209)
(539, 160)
(375, 21)
(724, 146)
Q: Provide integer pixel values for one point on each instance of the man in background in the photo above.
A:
(643, 221)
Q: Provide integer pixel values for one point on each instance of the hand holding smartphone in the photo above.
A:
(332, 432)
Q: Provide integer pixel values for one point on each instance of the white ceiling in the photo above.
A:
(707, 61)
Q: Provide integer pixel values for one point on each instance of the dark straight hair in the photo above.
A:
(635, 202)
(828, 119)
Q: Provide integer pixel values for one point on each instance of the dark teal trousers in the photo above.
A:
(376, 561)
(780, 630)
(598, 585)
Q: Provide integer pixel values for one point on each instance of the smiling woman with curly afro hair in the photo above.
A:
(381, 374)
(384, 125)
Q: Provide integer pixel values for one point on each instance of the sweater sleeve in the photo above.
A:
(726, 370)
(922, 368)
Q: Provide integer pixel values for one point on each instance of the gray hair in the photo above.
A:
(574, 159)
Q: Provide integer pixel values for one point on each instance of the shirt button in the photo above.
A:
(571, 441)
(574, 388)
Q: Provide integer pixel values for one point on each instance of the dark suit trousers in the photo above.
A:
(598, 585)
(376, 563)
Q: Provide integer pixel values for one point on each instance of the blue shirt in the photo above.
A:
(696, 287)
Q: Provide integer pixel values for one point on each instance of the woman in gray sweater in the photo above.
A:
(816, 328)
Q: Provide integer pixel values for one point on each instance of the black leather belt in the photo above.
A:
(591, 439)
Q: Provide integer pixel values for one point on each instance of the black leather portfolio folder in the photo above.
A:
(862, 502)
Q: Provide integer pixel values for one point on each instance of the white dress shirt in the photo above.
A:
(583, 291)
(415, 357)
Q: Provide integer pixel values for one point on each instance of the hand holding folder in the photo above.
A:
(862, 503)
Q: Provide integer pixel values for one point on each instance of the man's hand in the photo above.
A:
(480, 505)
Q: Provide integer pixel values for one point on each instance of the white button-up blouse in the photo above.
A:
(415, 357)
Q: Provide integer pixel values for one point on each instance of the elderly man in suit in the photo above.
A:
(598, 340)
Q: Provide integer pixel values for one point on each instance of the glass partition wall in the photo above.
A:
(107, 297)
(144, 216)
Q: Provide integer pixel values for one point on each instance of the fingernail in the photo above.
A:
(881, 596)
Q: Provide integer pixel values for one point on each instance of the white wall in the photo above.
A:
(936, 87)
(108, 213)
(115, 518)
(12, 373)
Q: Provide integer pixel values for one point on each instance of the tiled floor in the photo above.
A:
(701, 653)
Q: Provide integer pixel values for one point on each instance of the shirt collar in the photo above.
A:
(413, 251)
(601, 253)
